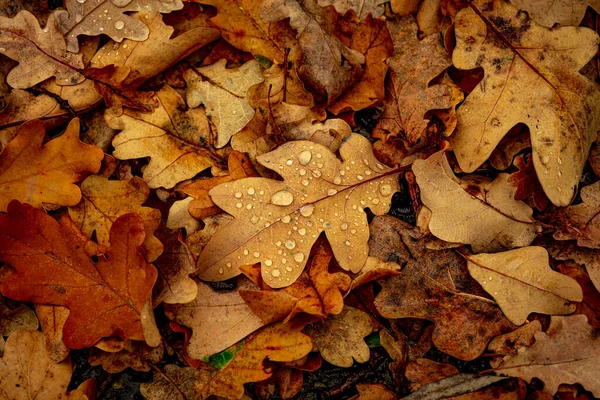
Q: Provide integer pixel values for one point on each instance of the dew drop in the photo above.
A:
(283, 260)
(302, 172)
(238, 195)
(331, 192)
(307, 210)
(304, 157)
(248, 206)
(239, 205)
(2, 49)
(246, 252)
(353, 231)
(359, 177)
(344, 226)
(267, 224)
(234, 112)
(316, 173)
(342, 172)
(290, 244)
(337, 180)
(119, 25)
(305, 182)
(288, 268)
(559, 160)
(545, 160)
(254, 219)
(320, 165)
(256, 254)
(275, 273)
(302, 231)
(220, 270)
(559, 174)
(285, 219)
(375, 201)
(81, 1)
(282, 198)
(385, 190)
(228, 265)
(367, 172)
(251, 191)
(347, 242)
(319, 155)
(379, 166)
(299, 257)
(289, 162)
(268, 262)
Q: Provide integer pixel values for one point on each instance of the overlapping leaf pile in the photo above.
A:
(241, 199)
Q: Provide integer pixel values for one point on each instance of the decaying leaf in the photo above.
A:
(529, 78)
(15, 317)
(280, 85)
(340, 338)
(567, 353)
(456, 385)
(53, 320)
(28, 373)
(93, 18)
(373, 391)
(103, 201)
(423, 371)
(175, 383)
(409, 93)
(53, 266)
(434, 285)
(490, 223)
(562, 12)
(41, 53)
(223, 93)
(510, 343)
(521, 281)
(136, 355)
(174, 139)
(218, 320)
(276, 222)
(38, 174)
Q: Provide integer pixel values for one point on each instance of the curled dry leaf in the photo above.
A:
(41, 53)
(329, 73)
(527, 183)
(521, 281)
(490, 223)
(529, 78)
(567, 353)
(38, 174)
(413, 66)
(434, 285)
(223, 93)
(276, 222)
(93, 18)
(103, 201)
(24, 378)
(53, 320)
(53, 266)
(562, 12)
(175, 140)
(218, 320)
(135, 355)
(340, 338)
(180, 217)
(280, 85)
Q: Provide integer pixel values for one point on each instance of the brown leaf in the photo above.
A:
(103, 201)
(175, 383)
(41, 53)
(434, 285)
(136, 355)
(529, 78)
(581, 255)
(42, 379)
(53, 266)
(527, 183)
(328, 73)
(562, 12)
(281, 85)
(53, 320)
(567, 352)
(16, 317)
(316, 187)
(38, 174)
(458, 214)
(340, 338)
(590, 305)
(93, 18)
(409, 93)
(373, 391)
(510, 343)
(422, 371)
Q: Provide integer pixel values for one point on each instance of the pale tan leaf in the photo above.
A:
(493, 223)
(135, 355)
(340, 338)
(176, 383)
(52, 320)
(277, 222)
(223, 93)
(179, 216)
(521, 281)
(562, 12)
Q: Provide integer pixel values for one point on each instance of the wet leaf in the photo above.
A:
(276, 222)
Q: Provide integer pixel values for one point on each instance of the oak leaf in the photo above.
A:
(521, 281)
(93, 18)
(175, 383)
(413, 66)
(15, 317)
(567, 353)
(373, 391)
(340, 338)
(53, 265)
(527, 183)
(38, 174)
(223, 93)
(590, 305)
(510, 343)
(361, 8)
(276, 222)
(174, 140)
(434, 285)
(493, 222)
(562, 12)
(180, 217)
(41, 53)
(280, 85)
(423, 371)
(218, 320)
(581, 255)
(53, 320)
(327, 74)
(529, 78)
(135, 355)
(27, 371)
(103, 201)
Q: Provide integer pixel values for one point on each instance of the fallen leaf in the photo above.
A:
(581, 255)
(527, 183)
(15, 317)
(562, 12)
(567, 353)
(256, 138)
(375, 269)
(453, 386)
(223, 93)
(510, 343)
(174, 140)
(316, 187)
(53, 320)
(413, 66)
(218, 320)
(108, 17)
(340, 338)
(327, 74)
(175, 383)
(39, 174)
(361, 8)
(136, 355)
(53, 266)
(373, 391)
(590, 305)
(180, 217)
(43, 379)
(529, 78)
(423, 371)
(459, 216)
(280, 85)
(434, 285)
(521, 281)
(41, 53)
(404, 7)
(372, 39)
(103, 201)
